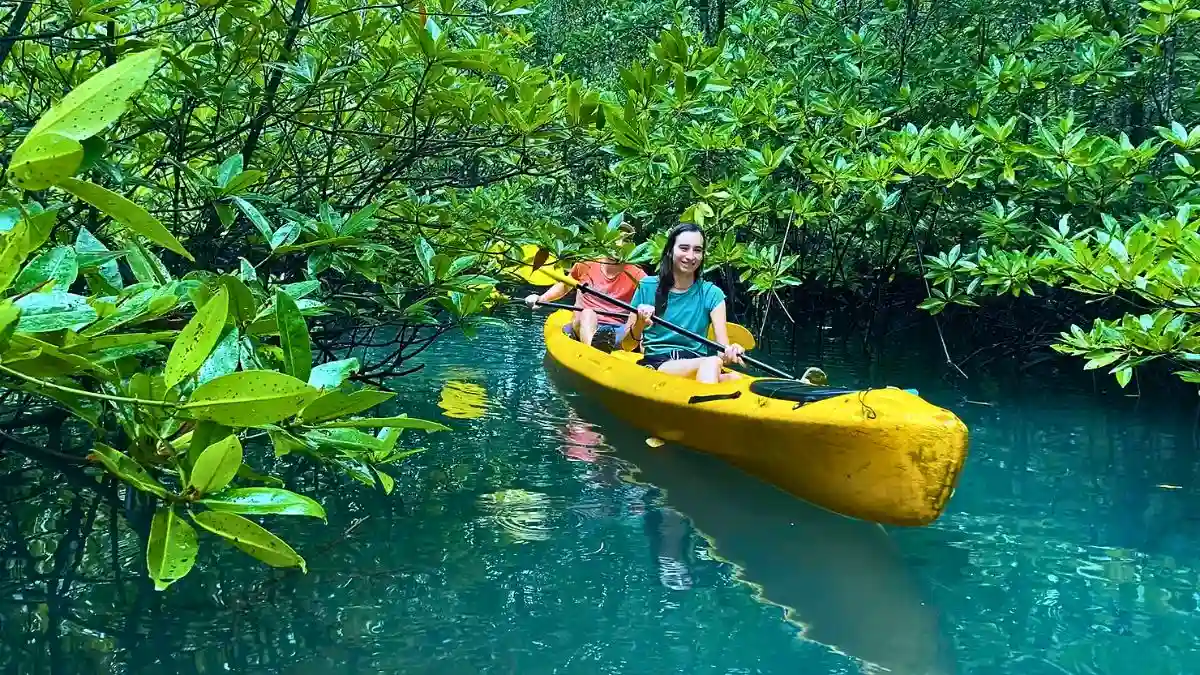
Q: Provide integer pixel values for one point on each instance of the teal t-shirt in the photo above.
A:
(689, 309)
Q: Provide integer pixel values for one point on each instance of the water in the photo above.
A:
(1070, 547)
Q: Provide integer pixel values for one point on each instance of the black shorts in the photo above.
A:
(656, 360)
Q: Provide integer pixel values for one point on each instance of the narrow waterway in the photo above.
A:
(543, 536)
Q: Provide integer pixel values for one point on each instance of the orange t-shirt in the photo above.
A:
(621, 287)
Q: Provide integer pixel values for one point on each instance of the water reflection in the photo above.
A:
(1059, 553)
(841, 582)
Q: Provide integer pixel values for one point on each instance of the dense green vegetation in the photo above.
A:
(228, 224)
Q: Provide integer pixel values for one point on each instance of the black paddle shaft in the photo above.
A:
(573, 308)
(685, 332)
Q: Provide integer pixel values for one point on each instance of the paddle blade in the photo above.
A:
(737, 335)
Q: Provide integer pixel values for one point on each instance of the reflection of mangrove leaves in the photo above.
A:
(520, 513)
(463, 400)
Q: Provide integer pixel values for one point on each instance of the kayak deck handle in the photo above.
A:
(714, 397)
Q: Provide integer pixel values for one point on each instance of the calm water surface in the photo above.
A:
(542, 536)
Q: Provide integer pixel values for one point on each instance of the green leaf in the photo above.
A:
(350, 441)
(242, 180)
(91, 252)
(241, 299)
(256, 217)
(204, 435)
(58, 265)
(251, 538)
(332, 374)
(172, 548)
(44, 160)
(336, 404)
(197, 339)
(117, 341)
(89, 108)
(13, 250)
(386, 482)
(232, 166)
(1124, 376)
(146, 267)
(122, 466)
(262, 501)
(250, 398)
(223, 360)
(45, 312)
(293, 337)
(402, 422)
(300, 289)
(216, 466)
(129, 214)
(9, 315)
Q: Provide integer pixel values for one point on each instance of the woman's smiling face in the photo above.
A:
(688, 252)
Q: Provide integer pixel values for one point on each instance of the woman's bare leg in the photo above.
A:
(706, 369)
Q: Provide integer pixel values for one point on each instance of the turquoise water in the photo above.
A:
(1070, 547)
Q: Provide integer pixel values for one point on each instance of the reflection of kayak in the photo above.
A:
(841, 581)
(884, 455)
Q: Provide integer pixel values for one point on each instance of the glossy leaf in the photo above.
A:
(197, 339)
(89, 108)
(293, 337)
(402, 422)
(44, 160)
(251, 538)
(45, 312)
(203, 436)
(172, 548)
(336, 404)
(263, 501)
(255, 216)
(58, 265)
(250, 398)
(223, 359)
(332, 374)
(241, 299)
(10, 313)
(129, 214)
(216, 466)
(91, 252)
(14, 247)
(124, 467)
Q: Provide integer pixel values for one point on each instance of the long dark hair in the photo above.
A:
(666, 266)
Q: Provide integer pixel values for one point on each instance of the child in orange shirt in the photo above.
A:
(587, 326)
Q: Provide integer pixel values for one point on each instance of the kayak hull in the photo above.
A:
(883, 455)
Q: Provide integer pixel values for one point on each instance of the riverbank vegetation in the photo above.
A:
(229, 226)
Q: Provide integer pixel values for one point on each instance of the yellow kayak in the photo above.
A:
(884, 455)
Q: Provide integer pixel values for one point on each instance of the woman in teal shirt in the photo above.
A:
(681, 297)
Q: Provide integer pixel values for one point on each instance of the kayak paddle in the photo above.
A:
(573, 308)
(557, 276)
